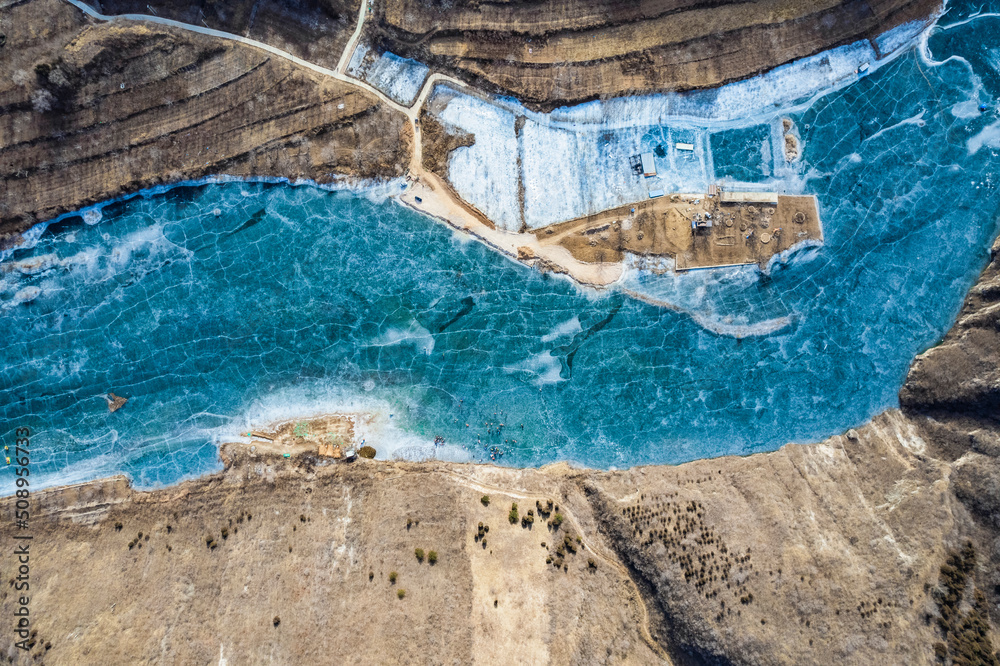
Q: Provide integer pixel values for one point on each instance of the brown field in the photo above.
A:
(741, 233)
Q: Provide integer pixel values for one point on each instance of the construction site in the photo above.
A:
(720, 228)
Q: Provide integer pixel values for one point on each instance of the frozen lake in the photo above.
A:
(218, 306)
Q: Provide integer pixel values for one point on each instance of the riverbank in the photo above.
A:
(818, 553)
(825, 553)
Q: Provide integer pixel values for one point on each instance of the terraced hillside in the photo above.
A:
(95, 111)
(316, 30)
(552, 52)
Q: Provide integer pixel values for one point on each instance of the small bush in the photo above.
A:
(225, 532)
(276, 621)
(485, 499)
(512, 516)
(393, 576)
(556, 521)
(419, 552)
(400, 593)
(210, 542)
(432, 557)
(118, 527)
(366, 452)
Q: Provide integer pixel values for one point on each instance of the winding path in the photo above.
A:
(352, 43)
(340, 74)
(211, 32)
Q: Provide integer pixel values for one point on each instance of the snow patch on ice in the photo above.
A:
(566, 328)
(25, 295)
(414, 334)
(989, 137)
(545, 368)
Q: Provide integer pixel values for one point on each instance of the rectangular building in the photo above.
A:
(648, 166)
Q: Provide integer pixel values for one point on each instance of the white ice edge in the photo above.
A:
(375, 190)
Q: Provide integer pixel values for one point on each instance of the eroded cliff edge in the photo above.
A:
(878, 546)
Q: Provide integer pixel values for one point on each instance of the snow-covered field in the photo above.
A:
(574, 161)
(399, 78)
(486, 173)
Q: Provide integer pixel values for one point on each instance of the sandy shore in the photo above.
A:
(429, 195)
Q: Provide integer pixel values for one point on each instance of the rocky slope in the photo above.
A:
(553, 52)
(878, 546)
(95, 111)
